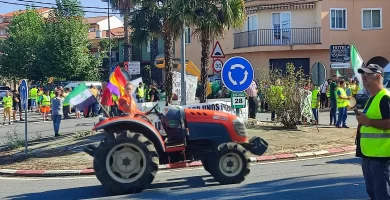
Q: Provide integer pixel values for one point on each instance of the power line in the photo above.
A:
(21, 4)
(54, 4)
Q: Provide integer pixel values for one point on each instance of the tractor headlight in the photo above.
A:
(240, 128)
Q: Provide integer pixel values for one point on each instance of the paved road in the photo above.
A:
(327, 178)
(37, 128)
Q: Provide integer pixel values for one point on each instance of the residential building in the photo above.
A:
(277, 32)
(5, 19)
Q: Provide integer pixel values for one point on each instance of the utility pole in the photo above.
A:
(183, 68)
(109, 35)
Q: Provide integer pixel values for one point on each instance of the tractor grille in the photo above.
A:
(240, 128)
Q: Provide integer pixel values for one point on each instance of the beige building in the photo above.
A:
(301, 32)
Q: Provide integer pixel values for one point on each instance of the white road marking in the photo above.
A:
(168, 171)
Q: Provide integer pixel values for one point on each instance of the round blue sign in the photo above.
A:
(237, 74)
(24, 94)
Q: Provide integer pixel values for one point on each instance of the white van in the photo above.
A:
(73, 85)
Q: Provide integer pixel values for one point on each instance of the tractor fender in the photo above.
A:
(136, 125)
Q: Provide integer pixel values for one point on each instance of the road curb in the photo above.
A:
(84, 172)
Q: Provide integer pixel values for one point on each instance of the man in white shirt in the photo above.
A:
(323, 102)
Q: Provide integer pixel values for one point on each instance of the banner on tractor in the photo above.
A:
(222, 106)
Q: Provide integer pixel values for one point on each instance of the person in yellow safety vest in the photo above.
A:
(45, 105)
(147, 91)
(342, 104)
(355, 88)
(278, 90)
(315, 102)
(373, 134)
(114, 107)
(39, 99)
(34, 97)
(29, 100)
(52, 95)
(140, 93)
(7, 103)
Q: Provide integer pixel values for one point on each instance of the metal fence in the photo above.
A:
(278, 37)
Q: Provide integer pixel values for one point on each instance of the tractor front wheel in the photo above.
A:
(126, 164)
(230, 164)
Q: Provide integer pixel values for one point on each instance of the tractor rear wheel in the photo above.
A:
(126, 164)
(230, 164)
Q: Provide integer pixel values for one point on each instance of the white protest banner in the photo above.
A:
(221, 106)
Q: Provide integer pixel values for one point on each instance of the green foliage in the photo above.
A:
(211, 18)
(19, 58)
(55, 47)
(147, 74)
(284, 93)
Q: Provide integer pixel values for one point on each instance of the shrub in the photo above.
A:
(284, 93)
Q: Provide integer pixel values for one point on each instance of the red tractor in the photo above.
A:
(127, 159)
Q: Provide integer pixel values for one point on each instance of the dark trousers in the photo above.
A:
(315, 113)
(252, 101)
(323, 102)
(333, 111)
(56, 123)
(377, 177)
(65, 110)
(342, 118)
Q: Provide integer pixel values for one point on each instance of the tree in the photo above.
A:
(211, 18)
(154, 17)
(124, 7)
(19, 52)
(64, 54)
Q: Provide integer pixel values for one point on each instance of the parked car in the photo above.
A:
(361, 98)
(3, 91)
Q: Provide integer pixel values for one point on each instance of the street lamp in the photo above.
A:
(109, 33)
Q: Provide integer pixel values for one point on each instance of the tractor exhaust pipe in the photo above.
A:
(90, 150)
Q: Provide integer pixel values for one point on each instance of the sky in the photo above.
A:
(8, 7)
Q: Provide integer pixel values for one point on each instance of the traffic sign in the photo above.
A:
(217, 51)
(24, 94)
(217, 65)
(237, 74)
(134, 68)
(238, 100)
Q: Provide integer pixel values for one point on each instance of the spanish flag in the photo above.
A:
(117, 82)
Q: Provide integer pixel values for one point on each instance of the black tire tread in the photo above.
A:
(222, 150)
(137, 186)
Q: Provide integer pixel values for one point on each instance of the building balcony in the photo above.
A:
(277, 37)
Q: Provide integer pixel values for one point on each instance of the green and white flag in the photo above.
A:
(80, 97)
(357, 63)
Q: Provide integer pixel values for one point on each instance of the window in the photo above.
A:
(92, 29)
(281, 23)
(188, 34)
(371, 18)
(148, 46)
(338, 18)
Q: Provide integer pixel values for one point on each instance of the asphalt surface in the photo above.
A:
(333, 178)
(37, 128)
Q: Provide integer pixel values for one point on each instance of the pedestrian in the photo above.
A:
(57, 111)
(315, 102)
(127, 104)
(106, 100)
(17, 105)
(45, 105)
(323, 94)
(251, 93)
(34, 97)
(342, 104)
(66, 106)
(373, 134)
(333, 101)
(140, 93)
(154, 94)
(93, 107)
(7, 104)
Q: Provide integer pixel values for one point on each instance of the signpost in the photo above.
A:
(134, 67)
(217, 65)
(340, 56)
(217, 51)
(237, 75)
(238, 100)
(24, 102)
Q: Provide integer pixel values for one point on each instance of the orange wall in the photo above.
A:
(370, 43)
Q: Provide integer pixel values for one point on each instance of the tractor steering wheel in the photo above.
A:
(160, 115)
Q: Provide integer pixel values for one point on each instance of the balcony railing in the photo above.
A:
(278, 37)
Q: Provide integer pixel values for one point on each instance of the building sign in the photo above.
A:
(340, 53)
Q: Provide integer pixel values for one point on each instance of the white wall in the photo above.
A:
(115, 22)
